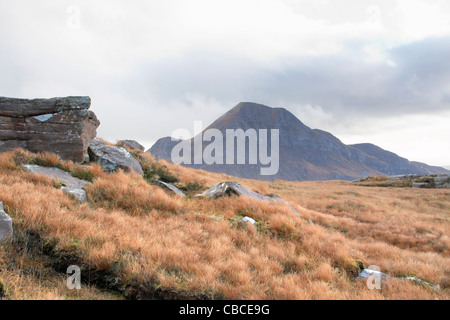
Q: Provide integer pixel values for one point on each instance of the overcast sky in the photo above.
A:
(366, 71)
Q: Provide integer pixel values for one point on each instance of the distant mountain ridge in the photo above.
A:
(305, 153)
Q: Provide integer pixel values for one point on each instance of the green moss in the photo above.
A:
(194, 186)
(83, 174)
(77, 171)
(263, 228)
(352, 267)
(286, 232)
(153, 170)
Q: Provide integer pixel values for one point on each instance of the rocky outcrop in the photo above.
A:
(6, 226)
(131, 144)
(442, 181)
(404, 177)
(70, 185)
(64, 126)
(112, 158)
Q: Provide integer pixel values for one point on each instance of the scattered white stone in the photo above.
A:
(79, 194)
(248, 219)
(367, 273)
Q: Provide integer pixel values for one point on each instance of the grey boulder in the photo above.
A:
(78, 194)
(131, 144)
(442, 181)
(6, 226)
(234, 188)
(112, 158)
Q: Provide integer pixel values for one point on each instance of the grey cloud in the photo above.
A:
(116, 58)
(342, 82)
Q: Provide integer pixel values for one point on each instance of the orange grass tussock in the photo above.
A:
(153, 243)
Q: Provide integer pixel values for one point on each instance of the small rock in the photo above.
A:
(419, 185)
(171, 187)
(425, 283)
(231, 188)
(367, 273)
(6, 226)
(79, 194)
(131, 144)
(234, 188)
(112, 158)
(248, 220)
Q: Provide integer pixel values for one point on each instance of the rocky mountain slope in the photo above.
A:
(305, 153)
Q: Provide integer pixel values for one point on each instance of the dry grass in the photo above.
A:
(27, 276)
(151, 240)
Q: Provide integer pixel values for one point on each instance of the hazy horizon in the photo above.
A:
(365, 71)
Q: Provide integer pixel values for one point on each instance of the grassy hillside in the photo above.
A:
(133, 239)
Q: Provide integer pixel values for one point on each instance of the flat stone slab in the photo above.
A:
(171, 187)
(420, 185)
(72, 186)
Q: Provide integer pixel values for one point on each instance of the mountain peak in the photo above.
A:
(304, 154)
(250, 115)
(251, 106)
